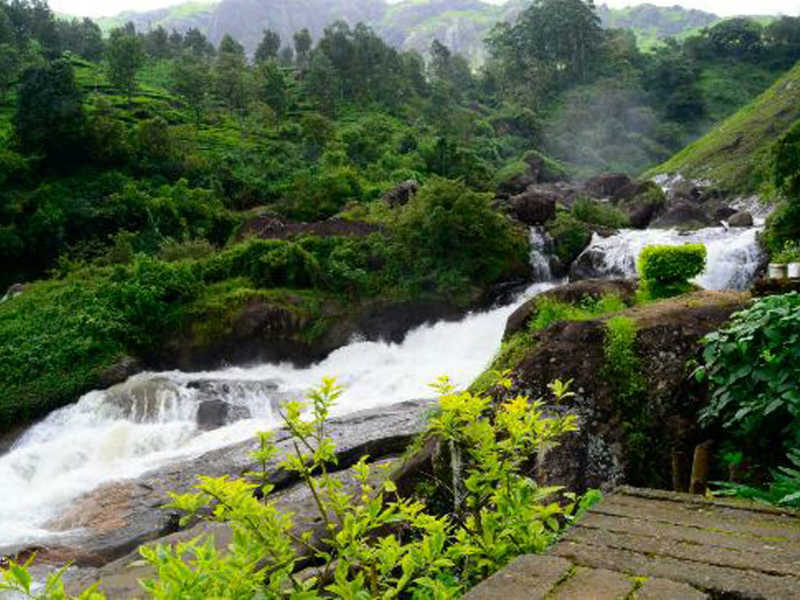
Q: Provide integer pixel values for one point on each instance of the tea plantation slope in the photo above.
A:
(733, 153)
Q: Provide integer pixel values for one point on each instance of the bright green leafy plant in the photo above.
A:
(666, 270)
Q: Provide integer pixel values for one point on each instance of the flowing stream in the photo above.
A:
(151, 420)
(734, 255)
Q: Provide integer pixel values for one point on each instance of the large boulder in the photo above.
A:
(642, 202)
(213, 414)
(741, 219)
(535, 206)
(608, 450)
(572, 293)
(607, 185)
(685, 215)
(593, 264)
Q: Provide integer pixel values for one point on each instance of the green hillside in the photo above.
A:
(732, 153)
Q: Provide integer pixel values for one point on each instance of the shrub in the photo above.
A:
(666, 270)
(599, 213)
(752, 367)
(570, 237)
(447, 226)
(268, 263)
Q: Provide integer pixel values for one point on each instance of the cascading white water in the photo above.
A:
(540, 263)
(151, 420)
(734, 255)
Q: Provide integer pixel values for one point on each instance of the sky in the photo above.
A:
(95, 8)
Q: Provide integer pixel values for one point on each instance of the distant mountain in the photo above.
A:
(411, 24)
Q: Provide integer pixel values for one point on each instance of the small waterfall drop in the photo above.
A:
(540, 248)
(734, 255)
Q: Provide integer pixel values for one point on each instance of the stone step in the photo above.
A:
(652, 545)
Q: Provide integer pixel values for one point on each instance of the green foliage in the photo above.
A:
(268, 263)
(50, 117)
(789, 253)
(783, 490)
(622, 370)
(125, 57)
(599, 213)
(549, 310)
(371, 543)
(783, 225)
(666, 270)
(570, 236)
(752, 368)
(448, 226)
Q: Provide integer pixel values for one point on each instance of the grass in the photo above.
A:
(732, 153)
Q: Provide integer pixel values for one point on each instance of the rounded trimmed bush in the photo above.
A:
(666, 270)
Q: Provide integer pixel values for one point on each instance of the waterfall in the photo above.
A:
(152, 419)
(540, 248)
(734, 255)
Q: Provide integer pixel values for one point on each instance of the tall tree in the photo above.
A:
(302, 46)
(191, 80)
(50, 118)
(273, 87)
(269, 46)
(231, 74)
(156, 43)
(125, 57)
(321, 83)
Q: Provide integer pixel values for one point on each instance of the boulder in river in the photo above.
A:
(535, 206)
(685, 215)
(607, 185)
(741, 219)
(213, 414)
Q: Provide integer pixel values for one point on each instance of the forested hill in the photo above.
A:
(410, 25)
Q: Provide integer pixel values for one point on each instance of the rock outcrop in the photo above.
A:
(607, 185)
(741, 219)
(535, 206)
(606, 452)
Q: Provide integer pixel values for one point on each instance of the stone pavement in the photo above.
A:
(652, 545)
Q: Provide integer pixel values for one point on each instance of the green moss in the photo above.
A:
(570, 236)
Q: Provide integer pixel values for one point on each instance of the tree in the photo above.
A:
(50, 118)
(9, 68)
(286, 56)
(302, 46)
(269, 46)
(739, 38)
(125, 56)
(553, 42)
(273, 87)
(321, 83)
(231, 74)
(157, 43)
(195, 41)
(191, 80)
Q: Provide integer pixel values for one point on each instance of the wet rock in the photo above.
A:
(607, 185)
(683, 214)
(572, 293)
(213, 414)
(535, 206)
(592, 264)
(114, 519)
(401, 194)
(642, 202)
(724, 212)
(741, 219)
(120, 371)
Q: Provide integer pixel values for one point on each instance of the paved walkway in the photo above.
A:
(652, 545)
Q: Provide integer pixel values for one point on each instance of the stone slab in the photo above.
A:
(594, 584)
(664, 589)
(527, 578)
